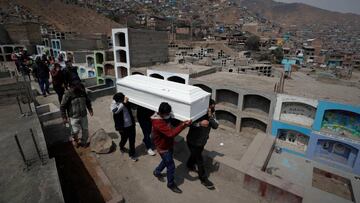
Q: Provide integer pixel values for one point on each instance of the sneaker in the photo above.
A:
(175, 188)
(134, 159)
(159, 177)
(208, 184)
(151, 152)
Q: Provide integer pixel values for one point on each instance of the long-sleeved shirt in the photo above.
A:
(75, 105)
(120, 107)
(57, 77)
(198, 135)
(163, 133)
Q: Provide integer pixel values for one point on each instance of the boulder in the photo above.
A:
(101, 142)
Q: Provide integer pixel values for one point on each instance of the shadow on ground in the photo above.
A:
(182, 172)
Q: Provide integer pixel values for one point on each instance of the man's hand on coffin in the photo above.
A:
(126, 99)
(210, 112)
(188, 122)
(204, 123)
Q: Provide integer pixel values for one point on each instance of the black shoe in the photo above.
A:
(86, 145)
(175, 188)
(191, 168)
(123, 150)
(159, 177)
(208, 184)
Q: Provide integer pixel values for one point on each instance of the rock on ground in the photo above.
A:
(101, 142)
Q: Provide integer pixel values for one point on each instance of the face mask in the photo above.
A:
(167, 117)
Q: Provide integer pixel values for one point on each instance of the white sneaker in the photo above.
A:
(151, 152)
(134, 159)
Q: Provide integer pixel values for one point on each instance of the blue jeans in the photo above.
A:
(146, 129)
(168, 162)
(44, 85)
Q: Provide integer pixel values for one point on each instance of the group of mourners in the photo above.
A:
(45, 68)
(159, 130)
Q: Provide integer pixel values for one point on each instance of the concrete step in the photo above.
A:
(252, 151)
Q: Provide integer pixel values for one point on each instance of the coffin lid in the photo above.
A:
(179, 92)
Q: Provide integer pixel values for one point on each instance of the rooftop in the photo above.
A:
(300, 84)
(179, 68)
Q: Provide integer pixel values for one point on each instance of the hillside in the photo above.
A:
(65, 17)
(299, 14)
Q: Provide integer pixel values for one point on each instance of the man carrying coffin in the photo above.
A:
(196, 139)
(163, 134)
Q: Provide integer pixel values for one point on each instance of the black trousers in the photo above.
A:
(59, 91)
(196, 158)
(128, 134)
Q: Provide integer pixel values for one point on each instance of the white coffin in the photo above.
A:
(187, 102)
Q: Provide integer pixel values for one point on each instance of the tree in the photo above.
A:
(278, 55)
(253, 43)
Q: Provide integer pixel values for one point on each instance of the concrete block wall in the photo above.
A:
(137, 48)
(147, 47)
(83, 44)
(80, 56)
(323, 131)
(254, 69)
(234, 111)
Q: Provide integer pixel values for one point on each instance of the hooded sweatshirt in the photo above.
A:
(163, 133)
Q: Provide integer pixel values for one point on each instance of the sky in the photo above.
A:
(344, 6)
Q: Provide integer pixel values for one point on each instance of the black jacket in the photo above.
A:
(144, 114)
(199, 135)
(42, 71)
(71, 76)
(119, 118)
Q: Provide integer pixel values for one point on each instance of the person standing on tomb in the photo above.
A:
(163, 134)
(74, 106)
(124, 123)
(144, 118)
(58, 81)
(196, 140)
